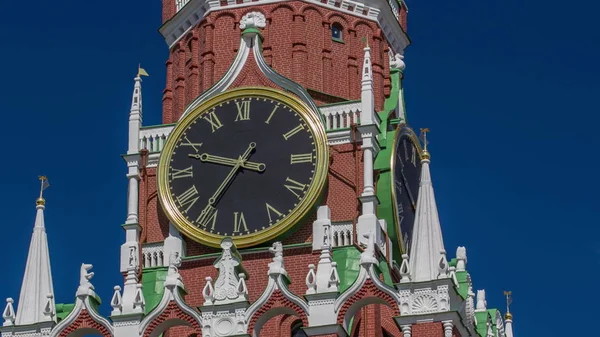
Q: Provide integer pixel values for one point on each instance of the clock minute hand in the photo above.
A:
(209, 209)
(209, 158)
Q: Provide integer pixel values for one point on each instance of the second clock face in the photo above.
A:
(243, 166)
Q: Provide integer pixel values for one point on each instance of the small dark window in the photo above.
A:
(336, 32)
(297, 330)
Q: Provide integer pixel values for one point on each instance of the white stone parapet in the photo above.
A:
(341, 116)
(342, 234)
(153, 139)
(153, 255)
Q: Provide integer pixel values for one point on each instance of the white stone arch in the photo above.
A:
(83, 311)
(170, 302)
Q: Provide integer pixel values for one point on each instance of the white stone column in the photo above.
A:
(406, 330)
(133, 197)
(448, 326)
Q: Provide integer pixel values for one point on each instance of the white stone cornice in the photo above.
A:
(379, 11)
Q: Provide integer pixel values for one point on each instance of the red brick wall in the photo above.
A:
(297, 44)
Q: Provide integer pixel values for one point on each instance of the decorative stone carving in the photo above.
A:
(424, 301)
(173, 276)
(443, 265)
(116, 301)
(461, 258)
(276, 267)
(368, 255)
(397, 61)
(84, 276)
(311, 280)
(253, 20)
(133, 257)
(448, 326)
(481, 302)
(406, 330)
(229, 286)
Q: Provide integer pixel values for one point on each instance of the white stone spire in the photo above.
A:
(427, 245)
(135, 116)
(35, 305)
(368, 129)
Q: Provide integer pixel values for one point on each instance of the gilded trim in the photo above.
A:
(297, 214)
(402, 129)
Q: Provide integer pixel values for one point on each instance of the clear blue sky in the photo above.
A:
(508, 88)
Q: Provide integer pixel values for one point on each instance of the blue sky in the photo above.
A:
(509, 90)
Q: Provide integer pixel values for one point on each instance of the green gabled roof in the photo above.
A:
(153, 286)
(63, 310)
(463, 284)
(482, 317)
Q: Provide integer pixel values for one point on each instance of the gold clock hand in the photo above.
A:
(212, 201)
(209, 158)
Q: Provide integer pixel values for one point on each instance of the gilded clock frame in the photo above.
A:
(402, 130)
(303, 208)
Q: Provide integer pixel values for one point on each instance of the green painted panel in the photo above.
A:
(463, 285)
(348, 265)
(153, 281)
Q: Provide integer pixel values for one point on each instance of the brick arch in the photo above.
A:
(367, 294)
(282, 5)
(276, 305)
(337, 17)
(170, 317)
(307, 7)
(225, 13)
(361, 22)
(85, 325)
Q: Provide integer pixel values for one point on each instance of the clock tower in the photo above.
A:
(285, 194)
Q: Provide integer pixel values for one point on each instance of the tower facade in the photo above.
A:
(284, 194)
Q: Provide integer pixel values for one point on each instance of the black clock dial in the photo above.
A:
(242, 166)
(406, 177)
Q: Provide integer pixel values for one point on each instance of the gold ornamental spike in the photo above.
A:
(423, 137)
(508, 295)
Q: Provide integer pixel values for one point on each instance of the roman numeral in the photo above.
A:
(214, 121)
(188, 198)
(272, 113)
(188, 143)
(243, 108)
(239, 221)
(187, 172)
(301, 158)
(272, 209)
(413, 156)
(295, 186)
(210, 215)
(293, 131)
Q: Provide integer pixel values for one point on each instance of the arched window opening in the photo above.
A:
(297, 330)
(337, 32)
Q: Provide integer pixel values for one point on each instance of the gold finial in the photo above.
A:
(45, 184)
(508, 295)
(423, 137)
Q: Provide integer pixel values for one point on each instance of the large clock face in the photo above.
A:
(247, 164)
(406, 167)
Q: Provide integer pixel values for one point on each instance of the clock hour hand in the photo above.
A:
(213, 199)
(209, 158)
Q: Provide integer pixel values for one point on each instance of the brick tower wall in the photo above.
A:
(297, 44)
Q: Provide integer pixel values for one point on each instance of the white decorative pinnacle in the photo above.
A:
(37, 280)
(116, 301)
(9, 313)
(404, 270)
(427, 241)
(135, 117)
(443, 265)
(311, 280)
(481, 302)
(253, 20)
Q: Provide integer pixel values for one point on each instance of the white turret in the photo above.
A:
(427, 245)
(368, 129)
(36, 301)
